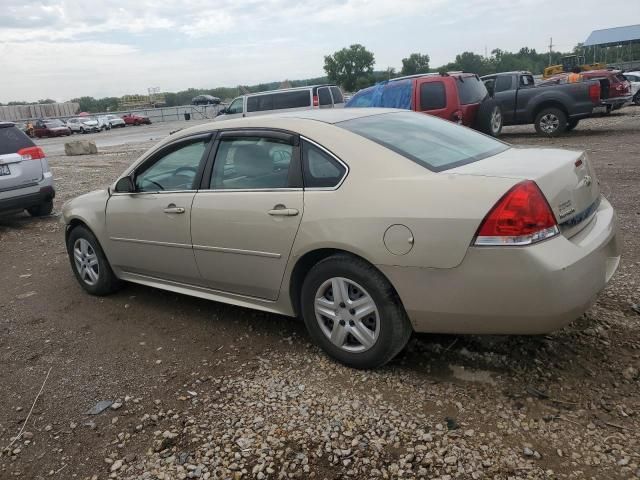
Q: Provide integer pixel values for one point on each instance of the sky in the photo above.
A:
(63, 49)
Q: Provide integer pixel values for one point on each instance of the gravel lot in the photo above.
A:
(205, 390)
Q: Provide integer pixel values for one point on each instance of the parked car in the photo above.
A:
(205, 100)
(368, 223)
(289, 99)
(134, 119)
(83, 125)
(634, 81)
(103, 123)
(50, 128)
(616, 90)
(455, 96)
(552, 108)
(112, 120)
(26, 183)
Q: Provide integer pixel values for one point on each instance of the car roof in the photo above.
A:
(292, 89)
(514, 72)
(6, 124)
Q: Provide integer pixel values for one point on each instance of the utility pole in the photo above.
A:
(550, 48)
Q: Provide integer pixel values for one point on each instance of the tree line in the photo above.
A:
(353, 69)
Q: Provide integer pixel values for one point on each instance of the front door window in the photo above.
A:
(174, 171)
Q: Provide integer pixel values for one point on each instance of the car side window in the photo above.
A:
(236, 106)
(176, 170)
(526, 81)
(503, 83)
(319, 169)
(432, 96)
(249, 163)
(337, 95)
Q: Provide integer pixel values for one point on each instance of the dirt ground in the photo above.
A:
(206, 390)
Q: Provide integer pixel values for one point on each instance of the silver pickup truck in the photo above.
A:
(553, 109)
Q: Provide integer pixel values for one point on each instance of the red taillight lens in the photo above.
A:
(594, 93)
(521, 217)
(31, 153)
(315, 101)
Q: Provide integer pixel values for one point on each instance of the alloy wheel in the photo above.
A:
(86, 262)
(549, 123)
(347, 315)
(496, 120)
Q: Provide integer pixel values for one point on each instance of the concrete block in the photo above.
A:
(80, 147)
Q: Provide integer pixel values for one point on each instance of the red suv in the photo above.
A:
(133, 119)
(456, 96)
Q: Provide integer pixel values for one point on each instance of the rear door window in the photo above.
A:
(432, 96)
(293, 99)
(260, 103)
(12, 140)
(526, 81)
(324, 97)
(504, 83)
(471, 90)
(337, 95)
(320, 169)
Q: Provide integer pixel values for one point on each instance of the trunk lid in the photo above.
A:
(565, 177)
(15, 172)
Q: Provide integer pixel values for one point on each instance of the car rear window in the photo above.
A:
(324, 97)
(12, 140)
(337, 95)
(429, 141)
(432, 96)
(471, 90)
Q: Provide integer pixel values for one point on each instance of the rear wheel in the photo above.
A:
(89, 264)
(489, 118)
(41, 210)
(353, 313)
(571, 124)
(636, 98)
(82, 130)
(551, 122)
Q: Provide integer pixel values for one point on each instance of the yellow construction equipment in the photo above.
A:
(568, 63)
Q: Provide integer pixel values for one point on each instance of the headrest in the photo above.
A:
(252, 160)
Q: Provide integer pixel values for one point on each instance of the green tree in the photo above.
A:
(415, 63)
(350, 67)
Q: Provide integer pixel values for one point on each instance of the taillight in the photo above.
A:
(457, 117)
(31, 153)
(594, 92)
(521, 217)
(315, 101)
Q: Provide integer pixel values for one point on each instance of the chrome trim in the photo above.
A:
(150, 242)
(162, 192)
(332, 155)
(237, 251)
(231, 190)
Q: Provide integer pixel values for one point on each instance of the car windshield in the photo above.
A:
(429, 141)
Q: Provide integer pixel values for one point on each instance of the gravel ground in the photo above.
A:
(205, 390)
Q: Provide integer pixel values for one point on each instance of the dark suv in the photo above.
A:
(457, 96)
(26, 183)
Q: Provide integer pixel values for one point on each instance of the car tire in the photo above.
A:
(489, 119)
(636, 98)
(89, 263)
(82, 130)
(571, 124)
(550, 122)
(385, 330)
(41, 210)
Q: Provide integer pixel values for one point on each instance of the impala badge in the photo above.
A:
(587, 180)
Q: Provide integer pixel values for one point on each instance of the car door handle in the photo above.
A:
(171, 208)
(282, 211)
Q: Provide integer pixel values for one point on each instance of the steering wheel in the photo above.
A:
(188, 169)
(155, 183)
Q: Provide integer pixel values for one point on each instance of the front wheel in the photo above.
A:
(352, 312)
(89, 263)
(636, 98)
(551, 122)
(82, 130)
(489, 119)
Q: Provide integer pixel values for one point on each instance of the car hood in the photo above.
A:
(57, 129)
(90, 123)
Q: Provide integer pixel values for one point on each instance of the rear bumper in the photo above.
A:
(24, 201)
(615, 102)
(514, 290)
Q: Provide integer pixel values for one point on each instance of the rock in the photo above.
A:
(116, 405)
(630, 373)
(115, 466)
(451, 460)
(99, 407)
(80, 147)
(27, 435)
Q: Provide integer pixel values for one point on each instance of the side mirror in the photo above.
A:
(125, 185)
(222, 111)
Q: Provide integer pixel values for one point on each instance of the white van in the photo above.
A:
(290, 99)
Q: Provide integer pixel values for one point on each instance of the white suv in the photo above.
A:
(83, 125)
(26, 183)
